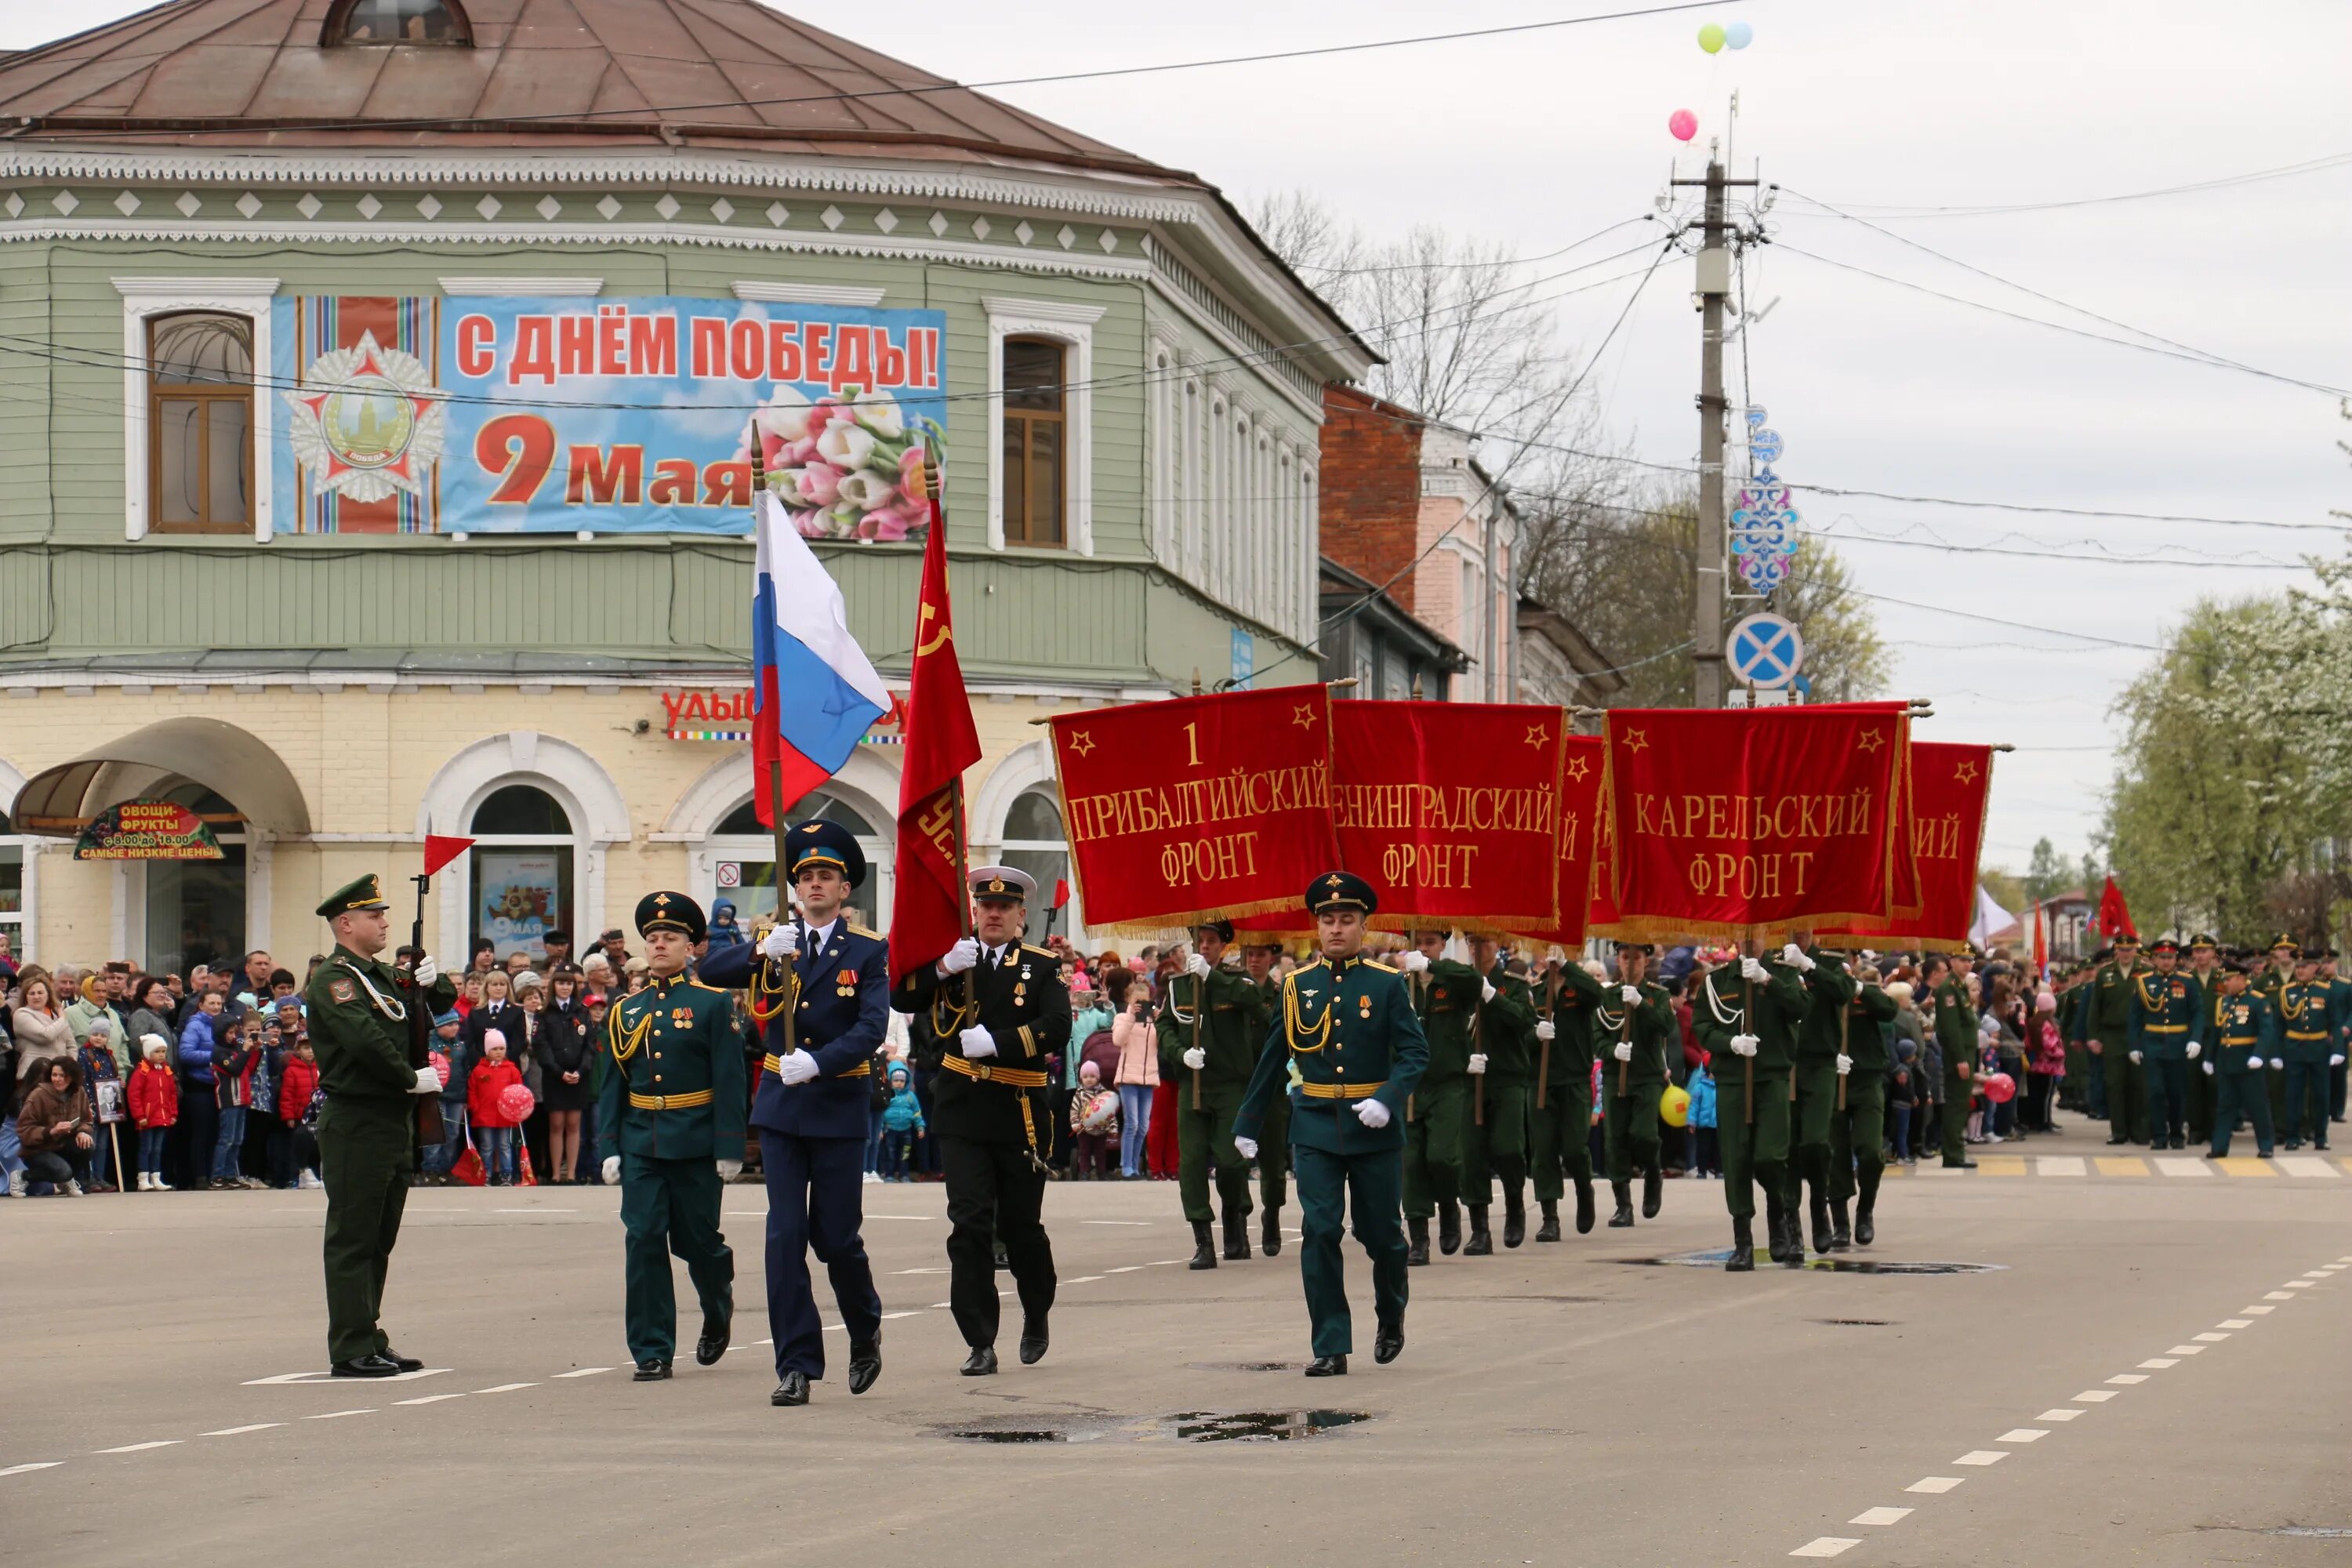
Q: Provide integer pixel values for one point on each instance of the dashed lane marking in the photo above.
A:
(584, 1371)
(2235, 1323)
(1935, 1484)
(143, 1447)
(2257, 1311)
(2000, 1165)
(339, 1415)
(2094, 1396)
(505, 1387)
(37, 1465)
(1982, 1456)
(2242, 1166)
(2022, 1435)
(1827, 1546)
(2183, 1168)
(2060, 1415)
(2278, 1295)
(241, 1431)
(2306, 1165)
(2187, 1350)
(2128, 1378)
(1880, 1515)
(429, 1399)
(2210, 1338)
(2159, 1362)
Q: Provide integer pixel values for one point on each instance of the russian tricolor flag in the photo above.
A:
(814, 693)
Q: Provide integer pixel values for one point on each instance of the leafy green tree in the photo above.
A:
(2046, 873)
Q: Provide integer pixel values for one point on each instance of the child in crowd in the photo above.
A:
(154, 1095)
(233, 1068)
(298, 1116)
(1094, 1123)
(902, 1123)
(1708, 1157)
(1902, 1097)
(494, 1130)
(447, 1048)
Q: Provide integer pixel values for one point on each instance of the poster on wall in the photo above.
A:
(638, 415)
(518, 896)
(147, 830)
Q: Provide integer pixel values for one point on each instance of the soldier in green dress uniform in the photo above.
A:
(2109, 1035)
(1634, 1023)
(358, 1008)
(2308, 1032)
(1494, 1139)
(1273, 1138)
(2167, 1009)
(1562, 1110)
(1446, 996)
(1210, 1025)
(1955, 1037)
(2339, 1007)
(2205, 973)
(2247, 1028)
(1829, 991)
(669, 1125)
(1858, 1114)
(1749, 1021)
(2270, 980)
(1349, 1043)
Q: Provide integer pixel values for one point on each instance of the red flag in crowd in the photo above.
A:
(2115, 915)
(1061, 893)
(929, 908)
(440, 850)
(2041, 945)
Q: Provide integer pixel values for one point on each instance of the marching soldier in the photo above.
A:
(2246, 1028)
(1445, 995)
(1749, 1025)
(2108, 1016)
(2165, 1038)
(990, 1036)
(2205, 973)
(2270, 980)
(1858, 1114)
(2339, 1007)
(1274, 1139)
(1955, 1036)
(669, 1125)
(1210, 1025)
(1349, 1039)
(1636, 1019)
(1830, 993)
(1494, 1140)
(1561, 1108)
(820, 989)
(2308, 1032)
(359, 1012)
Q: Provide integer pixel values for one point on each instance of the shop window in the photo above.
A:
(1034, 842)
(522, 871)
(11, 890)
(195, 908)
(200, 423)
(520, 808)
(742, 852)
(395, 22)
(1035, 444)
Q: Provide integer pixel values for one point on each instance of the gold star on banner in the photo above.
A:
(1081, 744)
(1577, 768)
(1871, 740)
(1965, 773)
(1304, 716)
(1537, 735)
(1636, 740)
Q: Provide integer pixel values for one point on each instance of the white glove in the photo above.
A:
(1753, 969)
(612, 1170)
(1485, 991)
(729, 1169)
(1632, 994)
(977, 1043)
(1413, 962)
(1625, 1051)
(2196, 1050)
(2332, 1061)
(1197, 967)
(1844, 1064)
(2209, 1070)
(1477, 1063)
(1372, 1114)
(427, 1082)
(1245, 1147)
(1794, 956)
(960, 957)
(1196, 1059)
(782, 943)
(1744, 1044)
(1544, 1030)
(2134, 1058)
(426, 972)
(798, 1068)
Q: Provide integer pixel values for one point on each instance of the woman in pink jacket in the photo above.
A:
(1132, 1031)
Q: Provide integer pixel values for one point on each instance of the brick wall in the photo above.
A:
(1369, 472)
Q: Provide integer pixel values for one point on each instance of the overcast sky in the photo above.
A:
(1539, 139)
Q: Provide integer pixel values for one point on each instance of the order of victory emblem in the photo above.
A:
(367, 422)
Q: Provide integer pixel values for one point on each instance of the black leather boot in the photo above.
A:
(1449, 1227)
(1269, 1232)
(1550, 1229)
(1205, 1245)
(1623, 1192)
(1775, 1232)
(1481, 1243)
(1743, 1249)
(1841, 1237)
(1515, 1217)
(1654, 1190)
(1237, 1246)
(1865, 1230)
(1416, 1249)
(1820, 1211)
(1585, 1212)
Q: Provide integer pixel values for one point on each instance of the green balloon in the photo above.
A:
(1711, 37)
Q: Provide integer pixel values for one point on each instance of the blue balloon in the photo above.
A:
(1739, 35)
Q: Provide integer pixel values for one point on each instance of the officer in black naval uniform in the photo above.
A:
(821, 991)
(990, 1110)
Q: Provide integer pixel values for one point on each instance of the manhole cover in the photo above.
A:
(1186, 1427)
(1713, 1259)
(1243, 1365)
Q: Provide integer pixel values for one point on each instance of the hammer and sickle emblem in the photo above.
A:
(946, 634)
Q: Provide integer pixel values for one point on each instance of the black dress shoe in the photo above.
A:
(1387, 1345)
(865, 1364)
(1034, 1340)
(713, 1343)
(368, 1365)
(980, 1362)
(652, 1371)
(1327, 1366)
(1269, 1232)
(2112, 1141)
(793, 1390)
(1965, 1164)
(404, 1363)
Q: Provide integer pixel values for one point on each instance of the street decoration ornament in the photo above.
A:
(1764, 526)
(366, 422)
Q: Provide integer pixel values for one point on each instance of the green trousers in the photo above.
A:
(1629, 1132)
(1957, 1090)
(364, 1158)
(1498, 1151)
(2126, 1095)
(1858, 1138)
(1809, 1128)
(1752, 1154)
(2201, 1104)
(2237, 1094)
(1330, 1186)
(2306, 1097)
(1562, 1137)
(1274, 1154)
(1205, 1137)
(1433, 1145)
(2076, 1090)
(671, 1205)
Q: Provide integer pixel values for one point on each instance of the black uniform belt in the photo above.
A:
(1340, 1091)
(669, 1102)
(863, 1069)
(2166, 1028)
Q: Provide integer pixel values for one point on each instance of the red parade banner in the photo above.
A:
(1750, 822)
(1581, 825)
(1950, 787)
(1200, 808)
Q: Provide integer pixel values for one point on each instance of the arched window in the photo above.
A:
(195, 908)
(11, 889)
(200, 423)
(522, 866)
(743, 850)
(395, 22)
(1034, 842)
(1034, 444)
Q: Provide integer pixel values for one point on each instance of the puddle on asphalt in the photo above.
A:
(1185, 1426)
(1855, 1322)
(1825, 1265)
(2316, 1531)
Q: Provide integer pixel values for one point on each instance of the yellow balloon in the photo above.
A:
(1711, 37)
(1674, 1106)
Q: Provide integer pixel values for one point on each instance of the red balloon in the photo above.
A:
(2001, 1088)
(515, 1100)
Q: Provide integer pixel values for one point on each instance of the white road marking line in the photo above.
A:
(2306, 1165)
(1935, 1484)
(2128, 1378)
(939, 1306)
(336, 1415)
(2316, 1273)
(143, 1447)
(2276, 1296)
(923, 1217)
(1143, 1222)
(898, 1272)
(534, 1211)
(2210, 1338)
(506, 1387)
(2094, 1396)
(757, 1343)
(1826, 1546)
(2187, 1350)
(241, 1431)
(1082, 1279)
(305, 1377)
(2022, 1435)
(584, 1371)
(2344, 1260)
(2060, 1415)
(37, 1465)
(2235, 1323)
(429, 1399)
(2184, 1168)
(2257, 1311)
(1881, 1516)
(1163, 1263)
(2059, 1165)
(1130, 1269)
(1982, 1456)
(2159, 1362)
(888, 1316)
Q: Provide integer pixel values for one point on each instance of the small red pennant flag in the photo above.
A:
(1061, 893)
(440, 850)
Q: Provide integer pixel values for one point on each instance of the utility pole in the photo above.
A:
(1714, 553)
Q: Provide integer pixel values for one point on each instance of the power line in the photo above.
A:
(1901, 212)
(2205, 565)
(1465, 266)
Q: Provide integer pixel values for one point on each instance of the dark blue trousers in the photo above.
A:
(815, 1198)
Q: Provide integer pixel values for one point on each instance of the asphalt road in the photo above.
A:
(1564, 1403)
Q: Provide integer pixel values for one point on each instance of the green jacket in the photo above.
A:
(1829, 992)
(2306, 1022)
(676, 1039)
(2105, 1015)
(1230, 1032)
(1870, 1019)
(1446, 998)
(362, 1049)
(1345, 1033)
(1956, 1025)
(1650, 1029)
(1720, 1010)
(1505, 1031)
(2167, 1012)
(2247, 1028)
(1572, 1012)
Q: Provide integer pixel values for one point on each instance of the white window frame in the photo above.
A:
(1072, 326)
(143, 299)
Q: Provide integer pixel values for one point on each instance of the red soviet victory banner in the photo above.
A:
(1579, 825)
(1750, 822)
(1198, 808)
(1907, 893)
(1950, 785)
(930, 905)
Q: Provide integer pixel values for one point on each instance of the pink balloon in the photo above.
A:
(1683, 123)
(2001, 1088)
